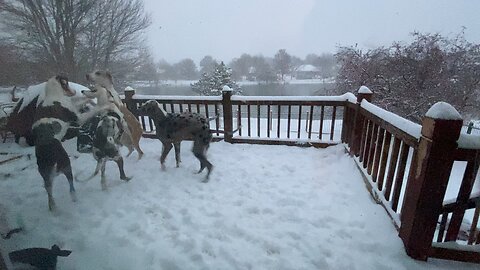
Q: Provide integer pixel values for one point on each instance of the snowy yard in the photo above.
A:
(265, 207)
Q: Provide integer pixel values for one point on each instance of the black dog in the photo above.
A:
(41, 258)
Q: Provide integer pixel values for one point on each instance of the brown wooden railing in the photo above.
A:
(286, 120)
(406, 166)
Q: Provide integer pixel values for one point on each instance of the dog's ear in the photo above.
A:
(63, 81)
(58, 252)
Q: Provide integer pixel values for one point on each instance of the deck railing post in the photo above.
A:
(427, 184)
(227, 113)
(129, 101)
(363, 93)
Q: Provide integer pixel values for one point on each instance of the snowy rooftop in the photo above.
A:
(265, 207)
(308, 68)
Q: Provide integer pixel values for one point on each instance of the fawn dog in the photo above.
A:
(133, 129)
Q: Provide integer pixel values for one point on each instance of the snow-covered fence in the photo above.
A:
(408, 168)
(288, 120)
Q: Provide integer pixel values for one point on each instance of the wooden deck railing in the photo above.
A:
(286, 120)
(406, 166)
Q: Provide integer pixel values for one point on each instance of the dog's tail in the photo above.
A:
(213, 117)
(225, 132)
(86, 179)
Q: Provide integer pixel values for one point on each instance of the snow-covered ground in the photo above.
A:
(265, 207)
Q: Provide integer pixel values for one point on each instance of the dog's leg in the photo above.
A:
(177, 153)
(119, 162)
(102, 181)
(68, 173)
(165, 150)
(199, 152)
(130, 150)
(64, 166)
(137, 147)
(46, 174)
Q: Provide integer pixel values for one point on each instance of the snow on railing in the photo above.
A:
(345, 97)
(187, 98)
(405, 125)
(468, 141)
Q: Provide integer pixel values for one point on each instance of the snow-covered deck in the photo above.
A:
(265, 207)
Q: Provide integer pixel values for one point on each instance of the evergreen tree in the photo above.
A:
(212, 84)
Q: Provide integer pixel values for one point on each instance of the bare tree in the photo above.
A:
(282, 62)
(72, 36)
(408, 79)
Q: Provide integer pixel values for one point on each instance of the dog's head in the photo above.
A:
(58, 85)
(94, 92)
(59, 252)
(152, 108)
(100, 77)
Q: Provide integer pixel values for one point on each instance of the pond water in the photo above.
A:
(296, 89)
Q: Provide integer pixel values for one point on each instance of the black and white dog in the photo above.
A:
(106, 139)
(56, 116)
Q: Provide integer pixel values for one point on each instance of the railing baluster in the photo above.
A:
(383, 164)
(198, 107)
(150, 121)
(143, 123)
(288, 120)
(310, 123)
(400, 173)
(278, 122)
(332, 129)
(248, 116)
(269, 127)
(392, 168)
(378, 152)
(190, 107)
(239, 121)
(373, 145)
(258, 120)
(181, 107)
(206, 111)
(473, 227)
(462, 199)
(368, 139)
(322, 112)
(172, 108)
(217, 118)
(299, 121)
(363, 139)
(443, 224)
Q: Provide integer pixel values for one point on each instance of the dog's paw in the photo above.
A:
(126, 179)
(73, 196)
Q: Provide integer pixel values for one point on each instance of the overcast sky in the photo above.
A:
(225, 29)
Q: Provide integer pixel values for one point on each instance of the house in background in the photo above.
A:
(305, 72)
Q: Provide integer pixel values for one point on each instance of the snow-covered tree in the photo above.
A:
(211, 84)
